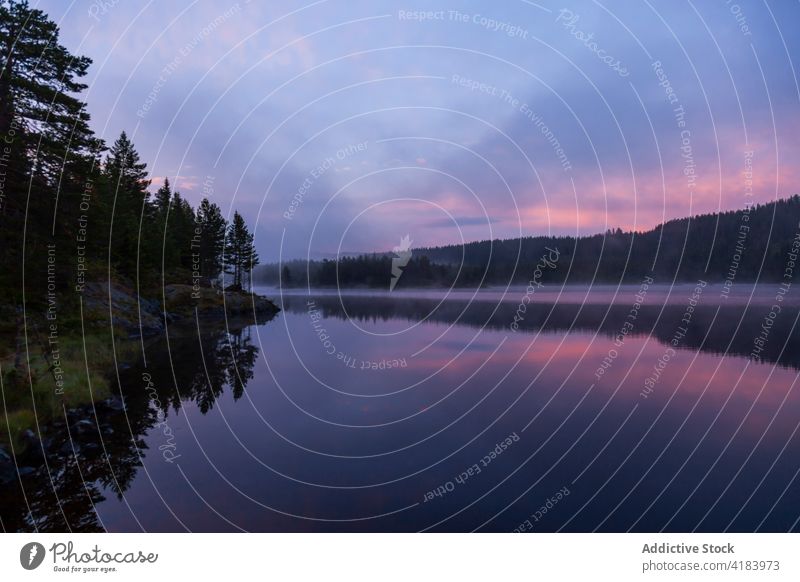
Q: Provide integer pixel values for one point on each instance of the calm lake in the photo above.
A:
(569, 410)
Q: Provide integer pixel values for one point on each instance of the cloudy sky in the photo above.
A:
(347, 125)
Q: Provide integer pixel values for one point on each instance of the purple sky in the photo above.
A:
(350, 124)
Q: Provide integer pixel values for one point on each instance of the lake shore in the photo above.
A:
(51, 365)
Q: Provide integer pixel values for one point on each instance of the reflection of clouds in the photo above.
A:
(545, 357)
(713, 377)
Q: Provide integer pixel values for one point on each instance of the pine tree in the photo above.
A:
(249, 258)
(234, 249)
(240, 251)
(48, 149)
(126, 178)
(162, 199)
(158, 253)
(212, 226)
(181, 225)
(46, 123)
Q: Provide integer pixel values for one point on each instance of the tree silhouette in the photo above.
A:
(212, 227)
(240, 252)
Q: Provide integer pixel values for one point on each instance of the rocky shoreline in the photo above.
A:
(179, 311)
(122, 308)
(78, 433)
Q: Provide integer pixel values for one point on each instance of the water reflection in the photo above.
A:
(98, 450)
(351, 414)
(718, 329)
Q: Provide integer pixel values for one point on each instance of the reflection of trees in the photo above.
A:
(723, 335)
(75, 496)
(243, 359)
(62, 487)
(223, 359)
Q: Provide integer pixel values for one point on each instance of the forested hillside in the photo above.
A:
(74, 211)
(744, 245)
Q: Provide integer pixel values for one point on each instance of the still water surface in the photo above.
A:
(415, 411)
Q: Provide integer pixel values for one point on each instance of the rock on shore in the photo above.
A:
(135, 315)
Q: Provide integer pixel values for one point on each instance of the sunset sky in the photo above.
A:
(349, 125)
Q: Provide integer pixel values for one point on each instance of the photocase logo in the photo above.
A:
(31, 555)
(400, 260)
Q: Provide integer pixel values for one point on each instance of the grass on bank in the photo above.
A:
(30, 385)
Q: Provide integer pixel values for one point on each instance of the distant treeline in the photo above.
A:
(373, 271)
(756, 243)
(72, 210)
